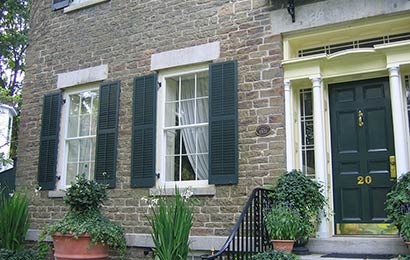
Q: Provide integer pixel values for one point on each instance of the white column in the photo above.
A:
(399, 122)
(320, 148)
(290, 153)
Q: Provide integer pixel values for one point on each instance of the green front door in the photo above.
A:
(362, 143)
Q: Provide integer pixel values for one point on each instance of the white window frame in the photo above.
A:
(300, 129)
(161, 138)
(79, 4)
(62, 147)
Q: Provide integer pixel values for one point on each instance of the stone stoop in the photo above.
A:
(358, 245)
(319, 257)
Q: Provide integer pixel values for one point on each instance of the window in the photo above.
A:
(306, 126)
(80, 134)
(185, 127)
(71, 5)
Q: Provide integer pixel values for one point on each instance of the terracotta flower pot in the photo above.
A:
(66, 247)
(283, 245)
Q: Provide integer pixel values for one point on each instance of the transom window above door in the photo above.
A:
(185, 128)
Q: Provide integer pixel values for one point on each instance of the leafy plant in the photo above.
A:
(397, 205)
(171, 222)
(282, 223)
(14, 221)
(277, 255)
(25, 254)
(85, 198)
(297, 191)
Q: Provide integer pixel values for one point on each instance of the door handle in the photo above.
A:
(360, 121)
(393, 172)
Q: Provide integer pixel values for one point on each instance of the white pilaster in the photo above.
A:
(399, 121)
(320, 148)
(290, 153)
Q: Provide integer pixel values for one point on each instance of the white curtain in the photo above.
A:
(195, 139)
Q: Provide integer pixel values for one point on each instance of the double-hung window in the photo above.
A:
(184, 128)
(80, 134)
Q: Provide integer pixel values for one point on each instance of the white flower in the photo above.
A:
(145, 200)
(37, 190)
(187, 194)
(154, 201)
(11, 194)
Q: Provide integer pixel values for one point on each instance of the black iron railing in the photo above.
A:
(249, 235)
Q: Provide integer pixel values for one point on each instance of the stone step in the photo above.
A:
(320, 257)
(358, 245)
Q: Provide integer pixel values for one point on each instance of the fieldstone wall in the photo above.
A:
(124, 34)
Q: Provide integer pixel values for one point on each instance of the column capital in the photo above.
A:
(394, 70)
(316, 81)
(287, 84)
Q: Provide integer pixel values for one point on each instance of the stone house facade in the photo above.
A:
(161, 93)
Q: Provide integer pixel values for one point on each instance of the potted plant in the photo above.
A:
(397, 206)
(283, 226)
(302, 194)
(84, 233)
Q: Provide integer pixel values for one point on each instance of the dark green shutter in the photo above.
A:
(50, 126)
(59, 4)
(144, 131)
(223, 123)
(107, 131)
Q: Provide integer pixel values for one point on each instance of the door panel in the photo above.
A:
(362, 141)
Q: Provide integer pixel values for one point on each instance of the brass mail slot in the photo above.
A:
(393, 172)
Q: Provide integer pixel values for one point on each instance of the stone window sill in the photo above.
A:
(208, 190)
(76, 6)
(55, 194)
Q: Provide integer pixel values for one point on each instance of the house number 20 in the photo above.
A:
(362, 180)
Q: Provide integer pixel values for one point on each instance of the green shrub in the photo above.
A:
(299, 192)
(276, 255)
(25, 254)
(397, 204)
(14, 221)
(171, 222)
(282, 223)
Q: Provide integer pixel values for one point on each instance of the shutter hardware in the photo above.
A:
(158, 175)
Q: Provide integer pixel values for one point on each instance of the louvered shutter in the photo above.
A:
(144, 131)
(223, 123)
(50, 126)
(107, 132)
(59, 4)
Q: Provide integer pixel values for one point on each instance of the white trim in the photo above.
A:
(83, 76)
(399, 121)
(186, 56)
(320, 148)
(76, 6)
(290, 161)
(62, 151)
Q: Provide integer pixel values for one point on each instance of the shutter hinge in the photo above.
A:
(158, 175)
(159, 85)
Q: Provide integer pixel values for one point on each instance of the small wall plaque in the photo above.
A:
(263, 130)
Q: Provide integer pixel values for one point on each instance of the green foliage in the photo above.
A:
(14, 221)
(25, 254)
(277, 255)
(397, 205)
(85, 194)
(282, 223)
(84, 217)
(171, 222)
(297, 191)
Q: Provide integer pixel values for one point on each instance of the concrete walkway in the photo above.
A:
(319, 257)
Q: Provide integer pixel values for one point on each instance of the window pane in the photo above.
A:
(202, 84)
(202, 139)
(187, 112)
(85, 150)
(71, 173)
(189, 140)
(202, 111)
(171, 114)
(84, 168)
(74, 105)
(72, 156)
(188, 86)
(172, 168)
(86, 106)
(188, 166)
(202, 167)
(85, 125)
(307, 135)
(72, 128)
(172, 89)
(172, 142)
